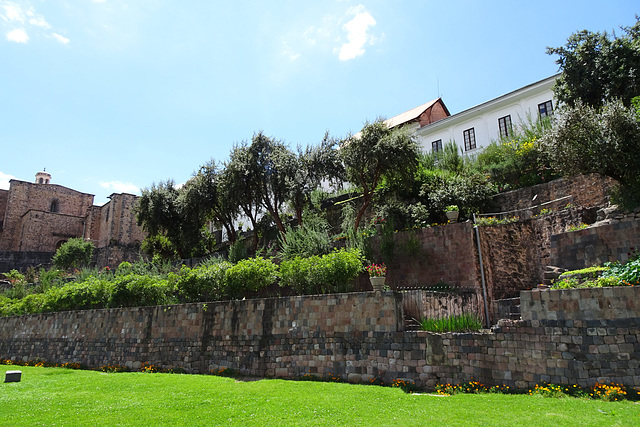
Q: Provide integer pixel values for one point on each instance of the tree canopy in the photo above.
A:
(375, 153)
(599, 66)
(606, 140)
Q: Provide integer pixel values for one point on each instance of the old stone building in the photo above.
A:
(39, 217)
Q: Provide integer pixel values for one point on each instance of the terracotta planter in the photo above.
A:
(377, 283)
(452, 216)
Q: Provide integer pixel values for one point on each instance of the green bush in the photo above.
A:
(628, 273)
(90, 294)
(134, 290)
(334, 272)
(472, 193)
(311, 238)
(203, 283)
(238, 251)
(75, 253)
(250, 275)
(517, 161)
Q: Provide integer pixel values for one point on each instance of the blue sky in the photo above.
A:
(113, 95)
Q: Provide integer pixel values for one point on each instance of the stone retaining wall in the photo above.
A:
(595, 245)
(356, 336)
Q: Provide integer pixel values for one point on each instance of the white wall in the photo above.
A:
(484, 117)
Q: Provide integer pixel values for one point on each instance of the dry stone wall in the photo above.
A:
(355, 336)
(595, 245)
(585, 190)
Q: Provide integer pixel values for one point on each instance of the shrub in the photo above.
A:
(92, 293)
(134, 290)
(203, 283)
(75, 253)
(471, 193)
(250, 275)
(238, 251)
(311, 238)
(334, 272)
(628, 273)
(517, 161)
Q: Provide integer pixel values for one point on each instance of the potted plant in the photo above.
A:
(378, 221)
(377, 275)
(452, 212)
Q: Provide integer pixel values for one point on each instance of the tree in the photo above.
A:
(244, 190)
(271, 166)
(375, 153)
(161, 211)
(315, 164)
(209, 195)
(585, 139)
(599, 66)
(74, 253)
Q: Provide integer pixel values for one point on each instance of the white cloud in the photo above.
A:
(61, 39)
(39, 21)
(358, 36)
(18, 36)
(120, 187)
(12, 12)
(15, 14)
(4, 180)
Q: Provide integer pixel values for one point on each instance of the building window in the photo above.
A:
(436, 146)
(469, 139)
(545, 109)
(54, 206)
(504, 124)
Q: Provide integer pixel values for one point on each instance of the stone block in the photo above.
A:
(12, 376)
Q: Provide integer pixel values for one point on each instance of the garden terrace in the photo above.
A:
(356, 336)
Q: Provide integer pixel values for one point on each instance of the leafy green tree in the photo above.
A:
(599, 66)
(161, 210)
(244, 191)
(209, 195)
(585, 139)
(271, 166)
(315, 164)
(74, 253)
(375, 153)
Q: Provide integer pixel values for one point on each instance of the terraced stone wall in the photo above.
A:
(357, 336)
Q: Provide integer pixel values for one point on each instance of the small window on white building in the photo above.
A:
(436, 146)
(504, 125)
(545, 109)
(469, 139)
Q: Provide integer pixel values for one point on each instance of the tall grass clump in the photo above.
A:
(455, 323)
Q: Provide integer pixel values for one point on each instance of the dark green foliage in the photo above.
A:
(599, 66)
(158, 246)
(334, 272)
(75, 253)
(238, 251)
(250, 275)
(205, 283)
(585, 139)
(134, 290)
(517, 161)
(212, 194)
(441, 188)
(378, 152)
(310, 238)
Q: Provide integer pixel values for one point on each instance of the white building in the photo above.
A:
(476, 127)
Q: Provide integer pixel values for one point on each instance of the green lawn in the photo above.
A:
(57, 396)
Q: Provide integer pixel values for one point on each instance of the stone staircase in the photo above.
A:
(551, 273)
